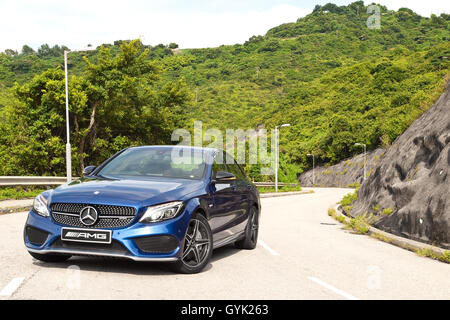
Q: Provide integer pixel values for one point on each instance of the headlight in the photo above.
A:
(40, 206)
(162, 212)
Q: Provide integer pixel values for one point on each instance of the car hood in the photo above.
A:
(128, 192)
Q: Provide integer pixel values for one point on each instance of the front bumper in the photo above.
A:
(131, 242)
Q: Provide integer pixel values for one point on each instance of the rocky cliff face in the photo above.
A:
(409, 189)
(343, 174)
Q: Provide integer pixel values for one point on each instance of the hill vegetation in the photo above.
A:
(336, 81)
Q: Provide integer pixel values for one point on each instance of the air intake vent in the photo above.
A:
(157, 244)
(36, 236)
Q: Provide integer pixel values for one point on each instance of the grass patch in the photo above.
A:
(381, 237)
(360, 224)
(340, 218)
(348, 209)
(280, 189)
(429, 253)
(387, 211)
(17, 193)
(445, 257)
(349, 198)
(355, 185)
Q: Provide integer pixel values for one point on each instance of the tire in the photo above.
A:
(198, 246)
(49, 257)
(251, 231)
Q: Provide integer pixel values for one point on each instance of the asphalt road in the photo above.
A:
(302, 254)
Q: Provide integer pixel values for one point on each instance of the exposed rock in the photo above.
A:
(411, 180)
(345, 173)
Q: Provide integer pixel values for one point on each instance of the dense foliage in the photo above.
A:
(119, 101)
(336, 81)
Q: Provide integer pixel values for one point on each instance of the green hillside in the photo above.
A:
(335, 80)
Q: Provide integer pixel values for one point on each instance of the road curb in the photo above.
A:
(14, 209)
(405, 243)
(283, 194)
(8, 206)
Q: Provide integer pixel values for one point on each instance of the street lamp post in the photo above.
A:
(314, 177)
(68, 148)
(365, 155)
(276, 154)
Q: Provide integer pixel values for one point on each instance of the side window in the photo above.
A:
(234, 168)
(239, 168)
(218, 167)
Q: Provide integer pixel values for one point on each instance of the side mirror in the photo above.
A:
(88, 170)
(223, 176)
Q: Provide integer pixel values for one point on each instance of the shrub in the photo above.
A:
(349, 198)
(360, 224)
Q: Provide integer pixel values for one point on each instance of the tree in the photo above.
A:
(125, 98)
(26, 50)
(121, 101)
(11, 52)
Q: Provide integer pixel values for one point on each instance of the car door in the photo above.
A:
(241, 197)
(223, 211)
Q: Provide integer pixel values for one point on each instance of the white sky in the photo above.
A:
(191, 24)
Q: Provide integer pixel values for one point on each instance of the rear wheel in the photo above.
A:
(251, 231)
(47, 257)
(198, 246)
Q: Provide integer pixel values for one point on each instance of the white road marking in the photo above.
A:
(265, 246)
(11, 287)
(335, 290)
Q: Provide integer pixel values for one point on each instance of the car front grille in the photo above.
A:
(109, 217)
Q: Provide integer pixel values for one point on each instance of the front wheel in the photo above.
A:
(198, 246)
(251, 231)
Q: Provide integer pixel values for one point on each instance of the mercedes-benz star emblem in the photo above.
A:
(88, 216)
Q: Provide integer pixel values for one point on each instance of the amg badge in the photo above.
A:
(84, 235)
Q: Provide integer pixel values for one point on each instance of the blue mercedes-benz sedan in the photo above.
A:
(150, 203)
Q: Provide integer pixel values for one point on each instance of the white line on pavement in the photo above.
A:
(335, 290)
(265, 246)
(12, 286)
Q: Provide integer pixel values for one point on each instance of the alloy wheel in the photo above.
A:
(254, 227)
(196, 244)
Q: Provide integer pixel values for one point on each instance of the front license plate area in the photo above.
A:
(86, 235)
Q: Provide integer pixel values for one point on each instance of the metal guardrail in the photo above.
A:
(31, 181)
(272, 184)
(53, 181)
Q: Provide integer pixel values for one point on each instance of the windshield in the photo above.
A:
(156, 162)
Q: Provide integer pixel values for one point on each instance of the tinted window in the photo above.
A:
(218, 167)
(234, 169)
